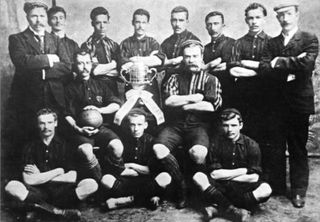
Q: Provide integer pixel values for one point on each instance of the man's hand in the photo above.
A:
(88, 130)
(250, 64)
(129, 172)
(31, 169)
(126, 66)
(302, 55)
(195, 98)
(220, 67)
(92, 107)
(177, 60)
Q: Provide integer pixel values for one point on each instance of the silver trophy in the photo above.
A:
(138, 75)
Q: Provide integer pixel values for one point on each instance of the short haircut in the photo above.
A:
(27, 7)
(81, 52)
(47, 111)
(215, 13)
(136, 112)
(99, 11)
(180, 9)
(191, 43)
(55, 10)
(230, 113)
(141, 11)
(255, 5)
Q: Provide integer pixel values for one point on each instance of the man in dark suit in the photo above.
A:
(289, 61)
(41, 68)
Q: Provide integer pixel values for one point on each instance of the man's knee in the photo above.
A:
(17, 189)
(198, 153)
(163, 179)
(116, 147)
(160, 150)
(108, 180)
(88, 185)
(200, 178)
(86, 150)
(263, 191)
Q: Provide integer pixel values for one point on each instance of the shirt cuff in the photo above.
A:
(50, 58)
(274, 62)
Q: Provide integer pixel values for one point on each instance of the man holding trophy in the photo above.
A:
(138, 53)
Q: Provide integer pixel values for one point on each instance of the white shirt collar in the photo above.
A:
(288, 36)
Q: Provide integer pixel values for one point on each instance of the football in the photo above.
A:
(90, 117)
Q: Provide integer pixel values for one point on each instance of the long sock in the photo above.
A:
(114, 164)
(213, 195)
(249, 200)
(171, 165)
(151, 189)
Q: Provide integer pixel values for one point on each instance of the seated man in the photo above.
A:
(48, 175)
(191, 97)
(140, 179)
(85, 93)
(234, 169)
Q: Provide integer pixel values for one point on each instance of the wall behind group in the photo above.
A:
(79, 27)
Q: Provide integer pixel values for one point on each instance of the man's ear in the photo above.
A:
(146, 125)
(241, 125)
(92, 23)
(56, 123)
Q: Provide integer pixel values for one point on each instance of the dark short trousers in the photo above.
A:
(55, 193)
(233, 190)
(131, 185)
(173, 136)
(101, 139)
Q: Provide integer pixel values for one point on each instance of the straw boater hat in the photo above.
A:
(283, 4)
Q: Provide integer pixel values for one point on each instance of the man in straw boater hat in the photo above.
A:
(289, 59)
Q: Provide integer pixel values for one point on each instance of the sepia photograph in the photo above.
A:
(160, 110)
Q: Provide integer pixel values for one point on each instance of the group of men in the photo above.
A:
(208, 94)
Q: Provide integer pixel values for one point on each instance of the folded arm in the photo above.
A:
(37, 178)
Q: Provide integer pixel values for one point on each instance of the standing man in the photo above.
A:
(217, 53)
(104, 51)
(190, 99)
(57, 21)
(48, 173)
(251, 94)
(233, 180)
(42, 68)
(290, 59)
(172, 45)
(142, 48)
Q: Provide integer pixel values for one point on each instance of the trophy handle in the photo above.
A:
(153, 72)
(123, 73)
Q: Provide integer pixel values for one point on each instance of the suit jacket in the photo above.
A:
(29, 91)
(298, 93)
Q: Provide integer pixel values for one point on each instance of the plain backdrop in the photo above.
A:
(79, 27)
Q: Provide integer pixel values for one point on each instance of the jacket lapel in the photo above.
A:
(30, 39)
(293, 41)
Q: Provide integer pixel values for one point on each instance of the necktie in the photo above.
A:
(41, 42)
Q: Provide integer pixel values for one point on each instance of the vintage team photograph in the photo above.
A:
(160, 110)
